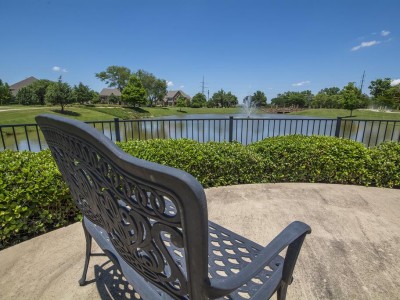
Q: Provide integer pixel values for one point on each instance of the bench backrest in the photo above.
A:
(155, 216)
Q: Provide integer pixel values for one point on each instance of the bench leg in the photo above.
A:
(281, 292)
(88, 238)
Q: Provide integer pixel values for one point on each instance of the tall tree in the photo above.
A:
(95, 97)
(115, 76)
(156, 88)
(230, 100)
(181, 102)
(327, 98)
(199, 100)
(395, 94)
(82, 93)
(351, 97)
(330, 91)
(39, 87)
(134, 92)
(379, 87)
(300, 99)
(5, 93)
(222, 99)
(59, 93)
(259, 99)
(390, 97)
(26, 96)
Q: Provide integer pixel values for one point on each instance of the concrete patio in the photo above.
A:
(352, 253)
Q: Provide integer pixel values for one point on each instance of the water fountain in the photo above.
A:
(248, 106)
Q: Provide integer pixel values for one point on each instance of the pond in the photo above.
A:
(217, 127)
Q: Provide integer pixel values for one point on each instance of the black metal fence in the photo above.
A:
(243, 130)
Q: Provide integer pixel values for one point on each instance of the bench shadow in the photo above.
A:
(111, 284)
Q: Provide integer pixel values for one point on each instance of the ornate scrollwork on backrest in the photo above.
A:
(143, 220)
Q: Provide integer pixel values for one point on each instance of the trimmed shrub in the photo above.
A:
(33, 196)
(212, 163)
(299, 158)
(385, 165)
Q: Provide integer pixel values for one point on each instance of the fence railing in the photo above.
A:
(243, 130)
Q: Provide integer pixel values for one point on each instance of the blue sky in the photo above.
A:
(240, 46)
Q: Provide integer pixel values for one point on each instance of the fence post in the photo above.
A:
(117, 132)
(338, 125)
(230, 128)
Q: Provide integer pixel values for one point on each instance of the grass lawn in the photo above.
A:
(19, 114)
(357, 114)
(26, 114)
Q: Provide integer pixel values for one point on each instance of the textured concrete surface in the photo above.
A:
(352, 253)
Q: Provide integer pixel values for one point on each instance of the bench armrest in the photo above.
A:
(293, 235)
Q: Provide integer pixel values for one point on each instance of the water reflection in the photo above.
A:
(204, 128)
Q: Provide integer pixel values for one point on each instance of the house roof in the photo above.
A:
(108, 92)
(20, 84)
(171, 94)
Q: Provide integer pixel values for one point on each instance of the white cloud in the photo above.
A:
(59, 69)
(301, 83)
(365, 44)
(395, 82)
(385, 32)
(170, 83)
(181, 87)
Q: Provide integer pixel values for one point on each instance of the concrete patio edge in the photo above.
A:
(352, 252)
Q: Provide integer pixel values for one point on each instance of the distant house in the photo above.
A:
(23, 83)
(106, 94)
(172, 96)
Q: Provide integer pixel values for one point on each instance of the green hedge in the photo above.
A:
(313, 159)
(213, 164)
(33, 196)
(384, 165)
(34, 199)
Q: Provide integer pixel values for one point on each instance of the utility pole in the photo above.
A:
(203, 87)
(208, 95)
(362, 81)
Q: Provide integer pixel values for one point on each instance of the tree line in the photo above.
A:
(142, 88)
(382, 91)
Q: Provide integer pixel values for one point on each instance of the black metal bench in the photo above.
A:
(151, 221)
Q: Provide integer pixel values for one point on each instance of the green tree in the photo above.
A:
(113, 99)
(351, 97)
(327, 98)
(134, 92)
(259, 99)
(39, 87)
(300, 99)
(115, 76)
(181, 102)
(379, 87)
(199, 100)
(95, 97)
(330, 91)
(26, 96)
(230, 100)
(156, 88)
(222, 99)
(5, 93)
(82, 93)
(390, 97)
(395, 94)
(59, 93)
